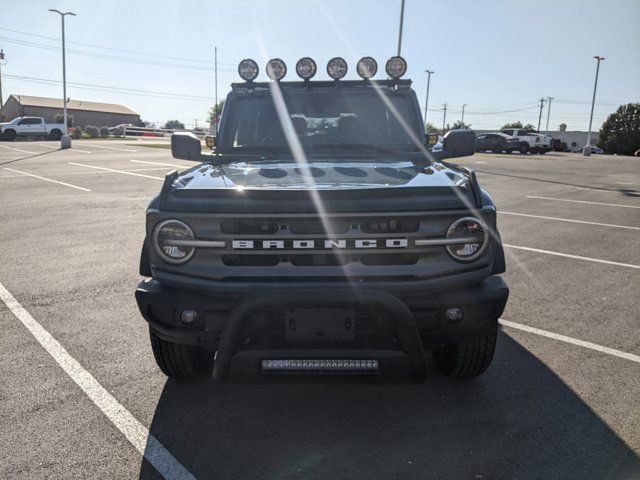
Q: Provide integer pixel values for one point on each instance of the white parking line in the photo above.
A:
(136, 433)
(19, 150)
(574, 341)
(76, 150)
(583, 201)
(48, 146)
(115, 171)
(567, 255)
(47, 179)
(163, 164)
(569, 220)
(112, 148)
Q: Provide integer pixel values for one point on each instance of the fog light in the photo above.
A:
(188, 316)
(454, 314)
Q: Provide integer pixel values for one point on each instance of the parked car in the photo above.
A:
(30, 127)
(594, 150)
(530, 141)
(497, 143)
(558, 145)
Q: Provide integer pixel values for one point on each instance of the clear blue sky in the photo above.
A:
(493, 55)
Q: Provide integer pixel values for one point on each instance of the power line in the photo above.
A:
(134, 52)
(108, 88)
(109, 57)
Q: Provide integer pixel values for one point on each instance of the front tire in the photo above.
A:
(10, 135)
(466, 359)
(180, 361)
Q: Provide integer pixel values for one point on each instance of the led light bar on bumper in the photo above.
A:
(321, 365)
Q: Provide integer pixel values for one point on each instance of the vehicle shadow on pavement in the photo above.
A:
(29, 156)
(517, 421)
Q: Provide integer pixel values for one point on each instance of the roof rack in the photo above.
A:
(402, 83)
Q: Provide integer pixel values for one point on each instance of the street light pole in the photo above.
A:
(540, 116)
(426, 100)
(462, 121)
(400, 30)
(586, 151)
(444, 118)
(2, 62)
(548, 113)
(65, 141)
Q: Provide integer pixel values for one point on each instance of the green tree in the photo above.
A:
(528, 127)
(215, 111)
(620, 133)
(460, 125)
(430, 128)
(59, 118)
(174, 125)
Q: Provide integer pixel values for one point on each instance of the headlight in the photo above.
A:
(473, 239)
(167, 239)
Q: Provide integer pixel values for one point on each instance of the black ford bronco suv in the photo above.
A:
(322, 236)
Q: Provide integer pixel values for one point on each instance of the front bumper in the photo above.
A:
(417, 315)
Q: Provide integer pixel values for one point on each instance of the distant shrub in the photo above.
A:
(92, 131)
(104, 132)
(77, 133)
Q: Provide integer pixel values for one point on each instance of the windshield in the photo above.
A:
(333, 120)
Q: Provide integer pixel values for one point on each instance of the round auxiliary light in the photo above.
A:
(306, 68)
(248, 69)
(473, 239)
(171, 240)
(367, 67)
(337, 68)
(396, 67)
(276, 69)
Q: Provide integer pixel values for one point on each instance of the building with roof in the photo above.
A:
(83, 113)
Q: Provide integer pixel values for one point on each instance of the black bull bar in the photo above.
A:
(375, 302)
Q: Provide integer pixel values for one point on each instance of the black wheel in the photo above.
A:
(524, 147)
(55, 135)
(542, 152)
(497, 150)
(10, 135)
(509, 151)
(180, 361)
(467, 359)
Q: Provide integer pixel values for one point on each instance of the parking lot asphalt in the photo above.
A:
(548, 407)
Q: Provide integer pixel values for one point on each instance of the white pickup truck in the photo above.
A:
(530, 141)
(30, 127)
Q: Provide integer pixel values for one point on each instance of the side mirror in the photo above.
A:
(459, 143)
(186, 146)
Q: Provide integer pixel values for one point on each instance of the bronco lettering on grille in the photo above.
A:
(321, 244)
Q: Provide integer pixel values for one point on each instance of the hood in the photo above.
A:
(342, 175)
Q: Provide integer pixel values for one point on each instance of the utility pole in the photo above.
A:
(426, 100)
(462, 121)
(548, 113)
(586, 151)
(444, 118)
(400, 30)
(215, 105)
(2, 62)
(65, 141)
(540, 116)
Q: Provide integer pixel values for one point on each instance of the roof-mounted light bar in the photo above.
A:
(367, 67)
(306, 68)
(396, 67)
(248, 70)
(276, 69)
(337, 68)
